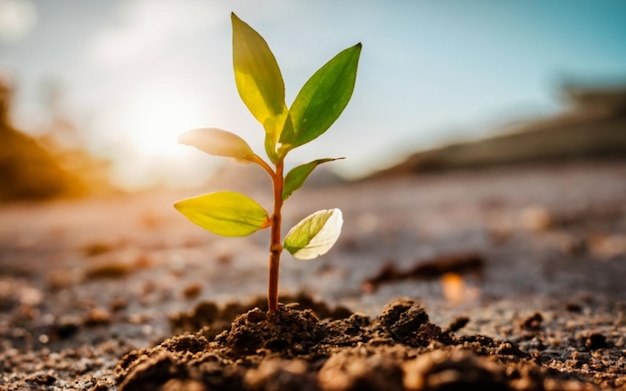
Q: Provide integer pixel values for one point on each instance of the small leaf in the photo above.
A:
(314, 235)
(259, 81)
(296, 176)
(225, 213)
(322, 98)
(218, 142)
(272, 132)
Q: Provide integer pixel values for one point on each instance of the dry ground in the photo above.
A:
(531, 254)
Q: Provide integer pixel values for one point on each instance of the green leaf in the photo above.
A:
(218, 142)
(315, 234)
(225, 213)
(296, 176)
(259, 81)
(322, 98)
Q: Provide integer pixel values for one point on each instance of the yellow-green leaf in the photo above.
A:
(259, 81)
(218, 142)
(296, 176)
(225, 213)
(315, 234)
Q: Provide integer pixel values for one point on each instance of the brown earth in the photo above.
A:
(504, 278)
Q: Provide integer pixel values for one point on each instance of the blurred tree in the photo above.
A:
(27, 171)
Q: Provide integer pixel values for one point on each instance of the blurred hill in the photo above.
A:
(593, 128)
(32, 169)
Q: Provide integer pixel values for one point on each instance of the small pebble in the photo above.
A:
(596, 341)
(192, 290)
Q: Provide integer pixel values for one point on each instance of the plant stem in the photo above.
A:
(275, 241)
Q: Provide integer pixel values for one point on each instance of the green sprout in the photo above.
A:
(316, 107)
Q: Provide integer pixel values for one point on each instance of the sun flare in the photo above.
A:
(156, 121)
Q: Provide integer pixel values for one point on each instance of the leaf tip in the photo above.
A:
(177, 205)
(183, 138)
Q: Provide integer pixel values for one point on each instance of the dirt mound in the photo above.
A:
(294, 349)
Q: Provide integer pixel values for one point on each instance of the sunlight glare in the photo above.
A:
(156, 122)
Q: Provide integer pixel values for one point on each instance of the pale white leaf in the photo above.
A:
(315, 234)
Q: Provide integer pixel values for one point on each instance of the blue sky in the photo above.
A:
(136, 73)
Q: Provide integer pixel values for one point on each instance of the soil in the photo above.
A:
(508, 278)
(398, 350)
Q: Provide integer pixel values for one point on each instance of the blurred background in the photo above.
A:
(484, 171)
(94, 94)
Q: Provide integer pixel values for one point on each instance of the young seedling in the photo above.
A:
(316, 107)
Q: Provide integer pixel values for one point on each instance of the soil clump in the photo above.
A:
(398, 350)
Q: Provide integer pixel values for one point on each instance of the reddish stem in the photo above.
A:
(276, 247)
